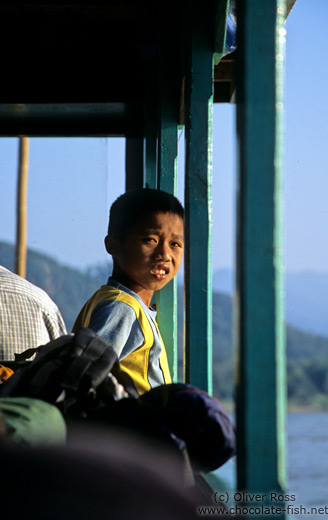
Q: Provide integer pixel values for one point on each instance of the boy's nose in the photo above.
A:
(163, 252)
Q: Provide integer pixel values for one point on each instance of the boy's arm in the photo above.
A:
(116, 322)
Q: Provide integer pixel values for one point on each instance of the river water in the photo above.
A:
(307, 464)
(308, 460)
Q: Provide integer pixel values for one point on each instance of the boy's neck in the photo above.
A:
(145, 294)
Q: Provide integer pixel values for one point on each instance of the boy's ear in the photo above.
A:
(111, 245)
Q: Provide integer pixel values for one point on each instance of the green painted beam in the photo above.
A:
(261, 379)
(198, 202)
(134, 163)
(167, 181)
(151, 123)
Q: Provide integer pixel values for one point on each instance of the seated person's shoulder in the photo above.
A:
(18, 286)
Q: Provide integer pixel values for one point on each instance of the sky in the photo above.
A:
(72, 182)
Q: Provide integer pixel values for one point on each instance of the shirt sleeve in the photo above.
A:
(117, 323)
(54, 323)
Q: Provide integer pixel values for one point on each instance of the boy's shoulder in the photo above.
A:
(113, 297)
(115, 291)
(117, 298)
(114, 303)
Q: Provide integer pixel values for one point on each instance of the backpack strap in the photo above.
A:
(94, 361)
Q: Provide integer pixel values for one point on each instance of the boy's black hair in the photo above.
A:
(132, 205)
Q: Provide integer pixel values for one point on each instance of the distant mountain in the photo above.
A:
(306, 302)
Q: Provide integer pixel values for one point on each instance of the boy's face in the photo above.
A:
(151, 253)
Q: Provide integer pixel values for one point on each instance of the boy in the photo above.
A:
(145, 239)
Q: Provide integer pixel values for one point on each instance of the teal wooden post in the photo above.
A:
(151, 158)
(198, 202)
(261, 385)
(150, 180)
(167, 181)
(134, 163)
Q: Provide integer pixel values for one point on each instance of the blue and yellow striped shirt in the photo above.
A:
(120, 316)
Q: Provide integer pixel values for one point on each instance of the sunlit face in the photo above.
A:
(151, 253)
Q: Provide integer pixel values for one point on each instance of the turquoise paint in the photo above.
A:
(151, 123)
(151, 159)
(167, 181)
(198, 202)
(134, 163)
(168, 324)
(260, 376)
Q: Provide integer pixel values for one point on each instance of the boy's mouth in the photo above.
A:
(160, 271)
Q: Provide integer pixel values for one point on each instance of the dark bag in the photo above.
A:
(197, 418)
(183, 416)
(77, 373)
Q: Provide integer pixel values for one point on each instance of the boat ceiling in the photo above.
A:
(85, 68)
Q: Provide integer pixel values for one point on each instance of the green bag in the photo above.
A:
(31, 422)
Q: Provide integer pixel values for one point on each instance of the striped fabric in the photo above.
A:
(28, 317)
(120, 316)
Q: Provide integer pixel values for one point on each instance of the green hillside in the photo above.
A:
(307, 354)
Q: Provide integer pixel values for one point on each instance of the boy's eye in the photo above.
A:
(176, 244)
(149, 239)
